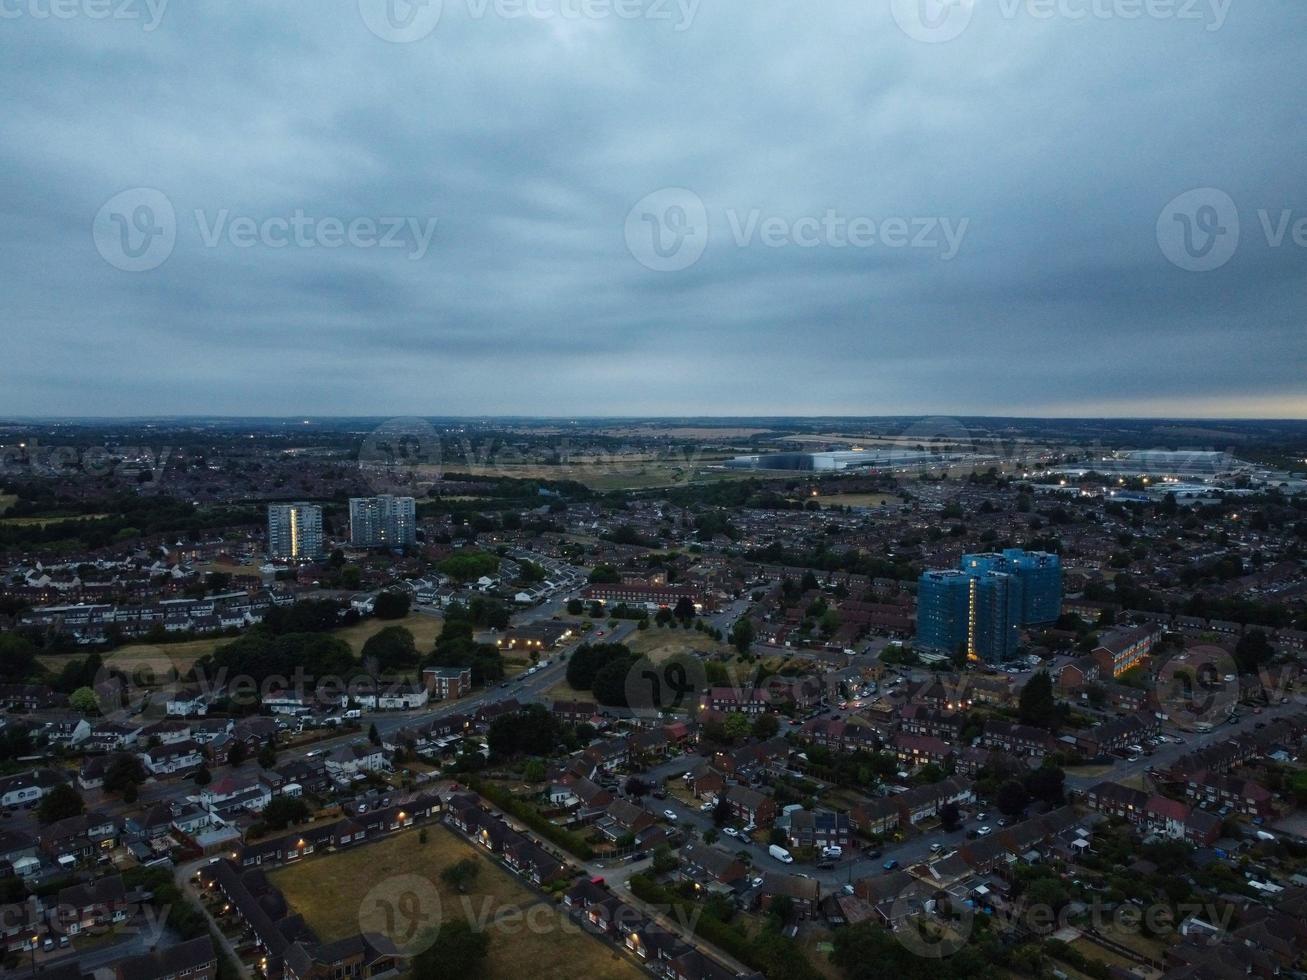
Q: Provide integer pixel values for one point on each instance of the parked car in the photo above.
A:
(730, 832)
(670, 815)
(890, 865)
(984, 832)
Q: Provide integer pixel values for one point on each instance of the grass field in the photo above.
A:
(331, 892)
(44, 521)
(183, 656)
(660, 644)
(7, 500)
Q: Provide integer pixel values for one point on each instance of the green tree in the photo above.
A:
(737, 725)
(1253, 651)
(1037, 706)
(84, 701)
(392, 648)
(742, 634)
(461, 874)
(392, 605)
(766, 726)
(458, 953)
(284, 811)
(534, 771)
(60, 803)
(1012, 798)
(123, 772)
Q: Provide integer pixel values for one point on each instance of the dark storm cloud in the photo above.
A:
(1039, 147)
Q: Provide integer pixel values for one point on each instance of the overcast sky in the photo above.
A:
(625, 207)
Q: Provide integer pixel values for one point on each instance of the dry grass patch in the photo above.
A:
(329, 891)
(660, 644)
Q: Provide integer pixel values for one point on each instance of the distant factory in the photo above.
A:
(1193, 464)
(839, 460)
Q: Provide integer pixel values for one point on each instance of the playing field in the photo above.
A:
(660, 644)
(341, 894)
(182, 656)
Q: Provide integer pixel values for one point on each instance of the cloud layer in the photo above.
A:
(817, 154)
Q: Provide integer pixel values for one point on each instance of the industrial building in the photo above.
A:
(837, 460)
